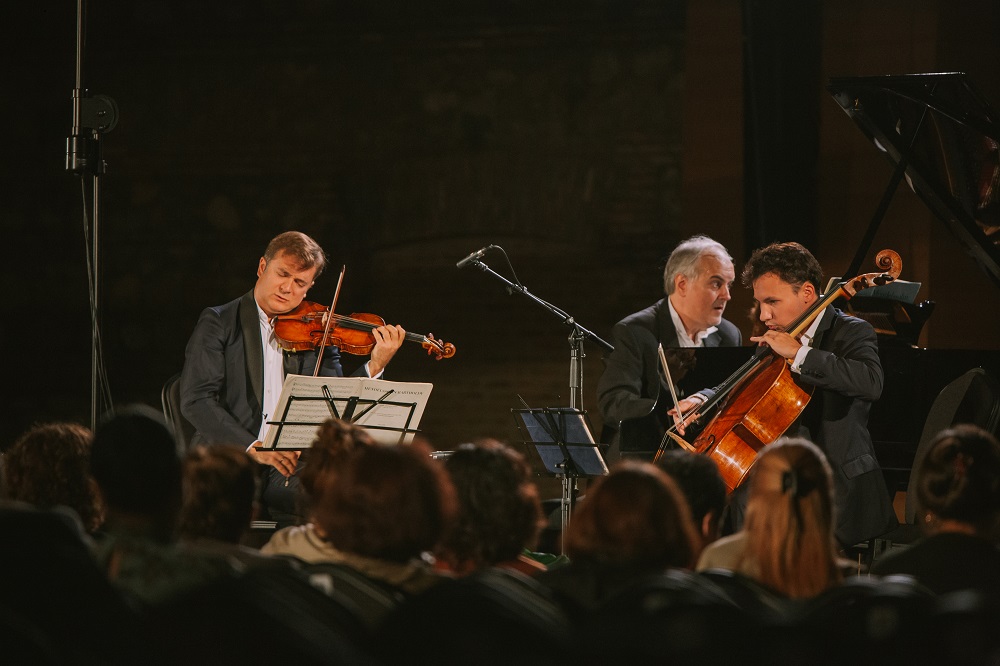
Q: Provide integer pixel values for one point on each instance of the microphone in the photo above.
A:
(478, 254)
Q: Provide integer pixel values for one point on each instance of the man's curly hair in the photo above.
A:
(791, 262)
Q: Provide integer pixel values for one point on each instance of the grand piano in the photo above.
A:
(941, 135)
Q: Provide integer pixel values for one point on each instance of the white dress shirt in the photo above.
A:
(683, 339)
(274, 372)
(805, 340)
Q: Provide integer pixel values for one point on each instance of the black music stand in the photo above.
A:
(566, 448)
(300, 429)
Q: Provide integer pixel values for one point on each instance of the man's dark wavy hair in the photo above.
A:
(791, 262)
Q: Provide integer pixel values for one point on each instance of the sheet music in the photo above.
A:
(384, 420)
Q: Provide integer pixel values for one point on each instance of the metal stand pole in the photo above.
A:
(91, 117)
(566, 507)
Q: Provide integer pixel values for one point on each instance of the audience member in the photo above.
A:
(698, 478)
(49, 466)
(377, 512)
(219, 484)
(958, 494)
(335, 441)
(56, 605)
(499, 513)
(138, 473)
(787, 542)
(632, 523)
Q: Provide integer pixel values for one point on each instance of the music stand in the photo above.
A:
(307, 402)
(566, 448)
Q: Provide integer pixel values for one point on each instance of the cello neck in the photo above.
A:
(804, 320)
(763, 353)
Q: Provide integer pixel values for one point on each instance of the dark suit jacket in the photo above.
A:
(844, 367)
(846, 373)
(223, 377)
(222, 388)
(631, 382)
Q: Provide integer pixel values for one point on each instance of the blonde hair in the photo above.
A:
(789, 519)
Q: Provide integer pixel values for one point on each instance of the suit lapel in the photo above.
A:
(667, 334)
(825, 324)
(254, 352)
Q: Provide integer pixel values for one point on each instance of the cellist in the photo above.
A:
(837, 355)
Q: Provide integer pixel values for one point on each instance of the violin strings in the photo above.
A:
(369, 326)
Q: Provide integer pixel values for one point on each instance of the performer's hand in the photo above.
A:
(387, 340)
(689, 409)
(783, 344)
(283, 461)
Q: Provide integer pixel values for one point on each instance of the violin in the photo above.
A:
(762, 399)
(303, 328)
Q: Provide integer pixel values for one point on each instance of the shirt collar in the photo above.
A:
(682, 335)
(810, 333)
(264, 319)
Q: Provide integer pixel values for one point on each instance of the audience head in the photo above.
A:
(958, 481)
(49, 465)
(789, 519)
(499, 513)
(219, 484)
(135, 463)
(388, 502)
(633, 517)
(334, 441)
(698, 478)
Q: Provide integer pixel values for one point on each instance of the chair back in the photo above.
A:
(872, 620)
(372, 599)
(492, 617)
(674, 617)
(170, 398)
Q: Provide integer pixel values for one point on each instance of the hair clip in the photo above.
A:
(790, 482)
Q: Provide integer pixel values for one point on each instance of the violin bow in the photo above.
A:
(329, 320)
(677, 408)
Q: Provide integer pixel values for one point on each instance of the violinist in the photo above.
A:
(696, 280)
(838, 356)
(234, 369)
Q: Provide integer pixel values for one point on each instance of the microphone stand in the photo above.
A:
(92, 116)
(578, 334)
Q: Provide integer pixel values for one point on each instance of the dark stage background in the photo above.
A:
(586, 138)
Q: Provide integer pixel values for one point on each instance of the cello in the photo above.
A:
(763, 398)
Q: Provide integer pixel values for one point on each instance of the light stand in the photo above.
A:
(92, 116)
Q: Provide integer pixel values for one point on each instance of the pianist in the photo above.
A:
(697, 280)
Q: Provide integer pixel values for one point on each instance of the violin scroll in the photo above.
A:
(437, 348)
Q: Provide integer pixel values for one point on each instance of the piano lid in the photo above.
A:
(955, 163)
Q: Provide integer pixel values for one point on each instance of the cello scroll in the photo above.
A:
(891, 264)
